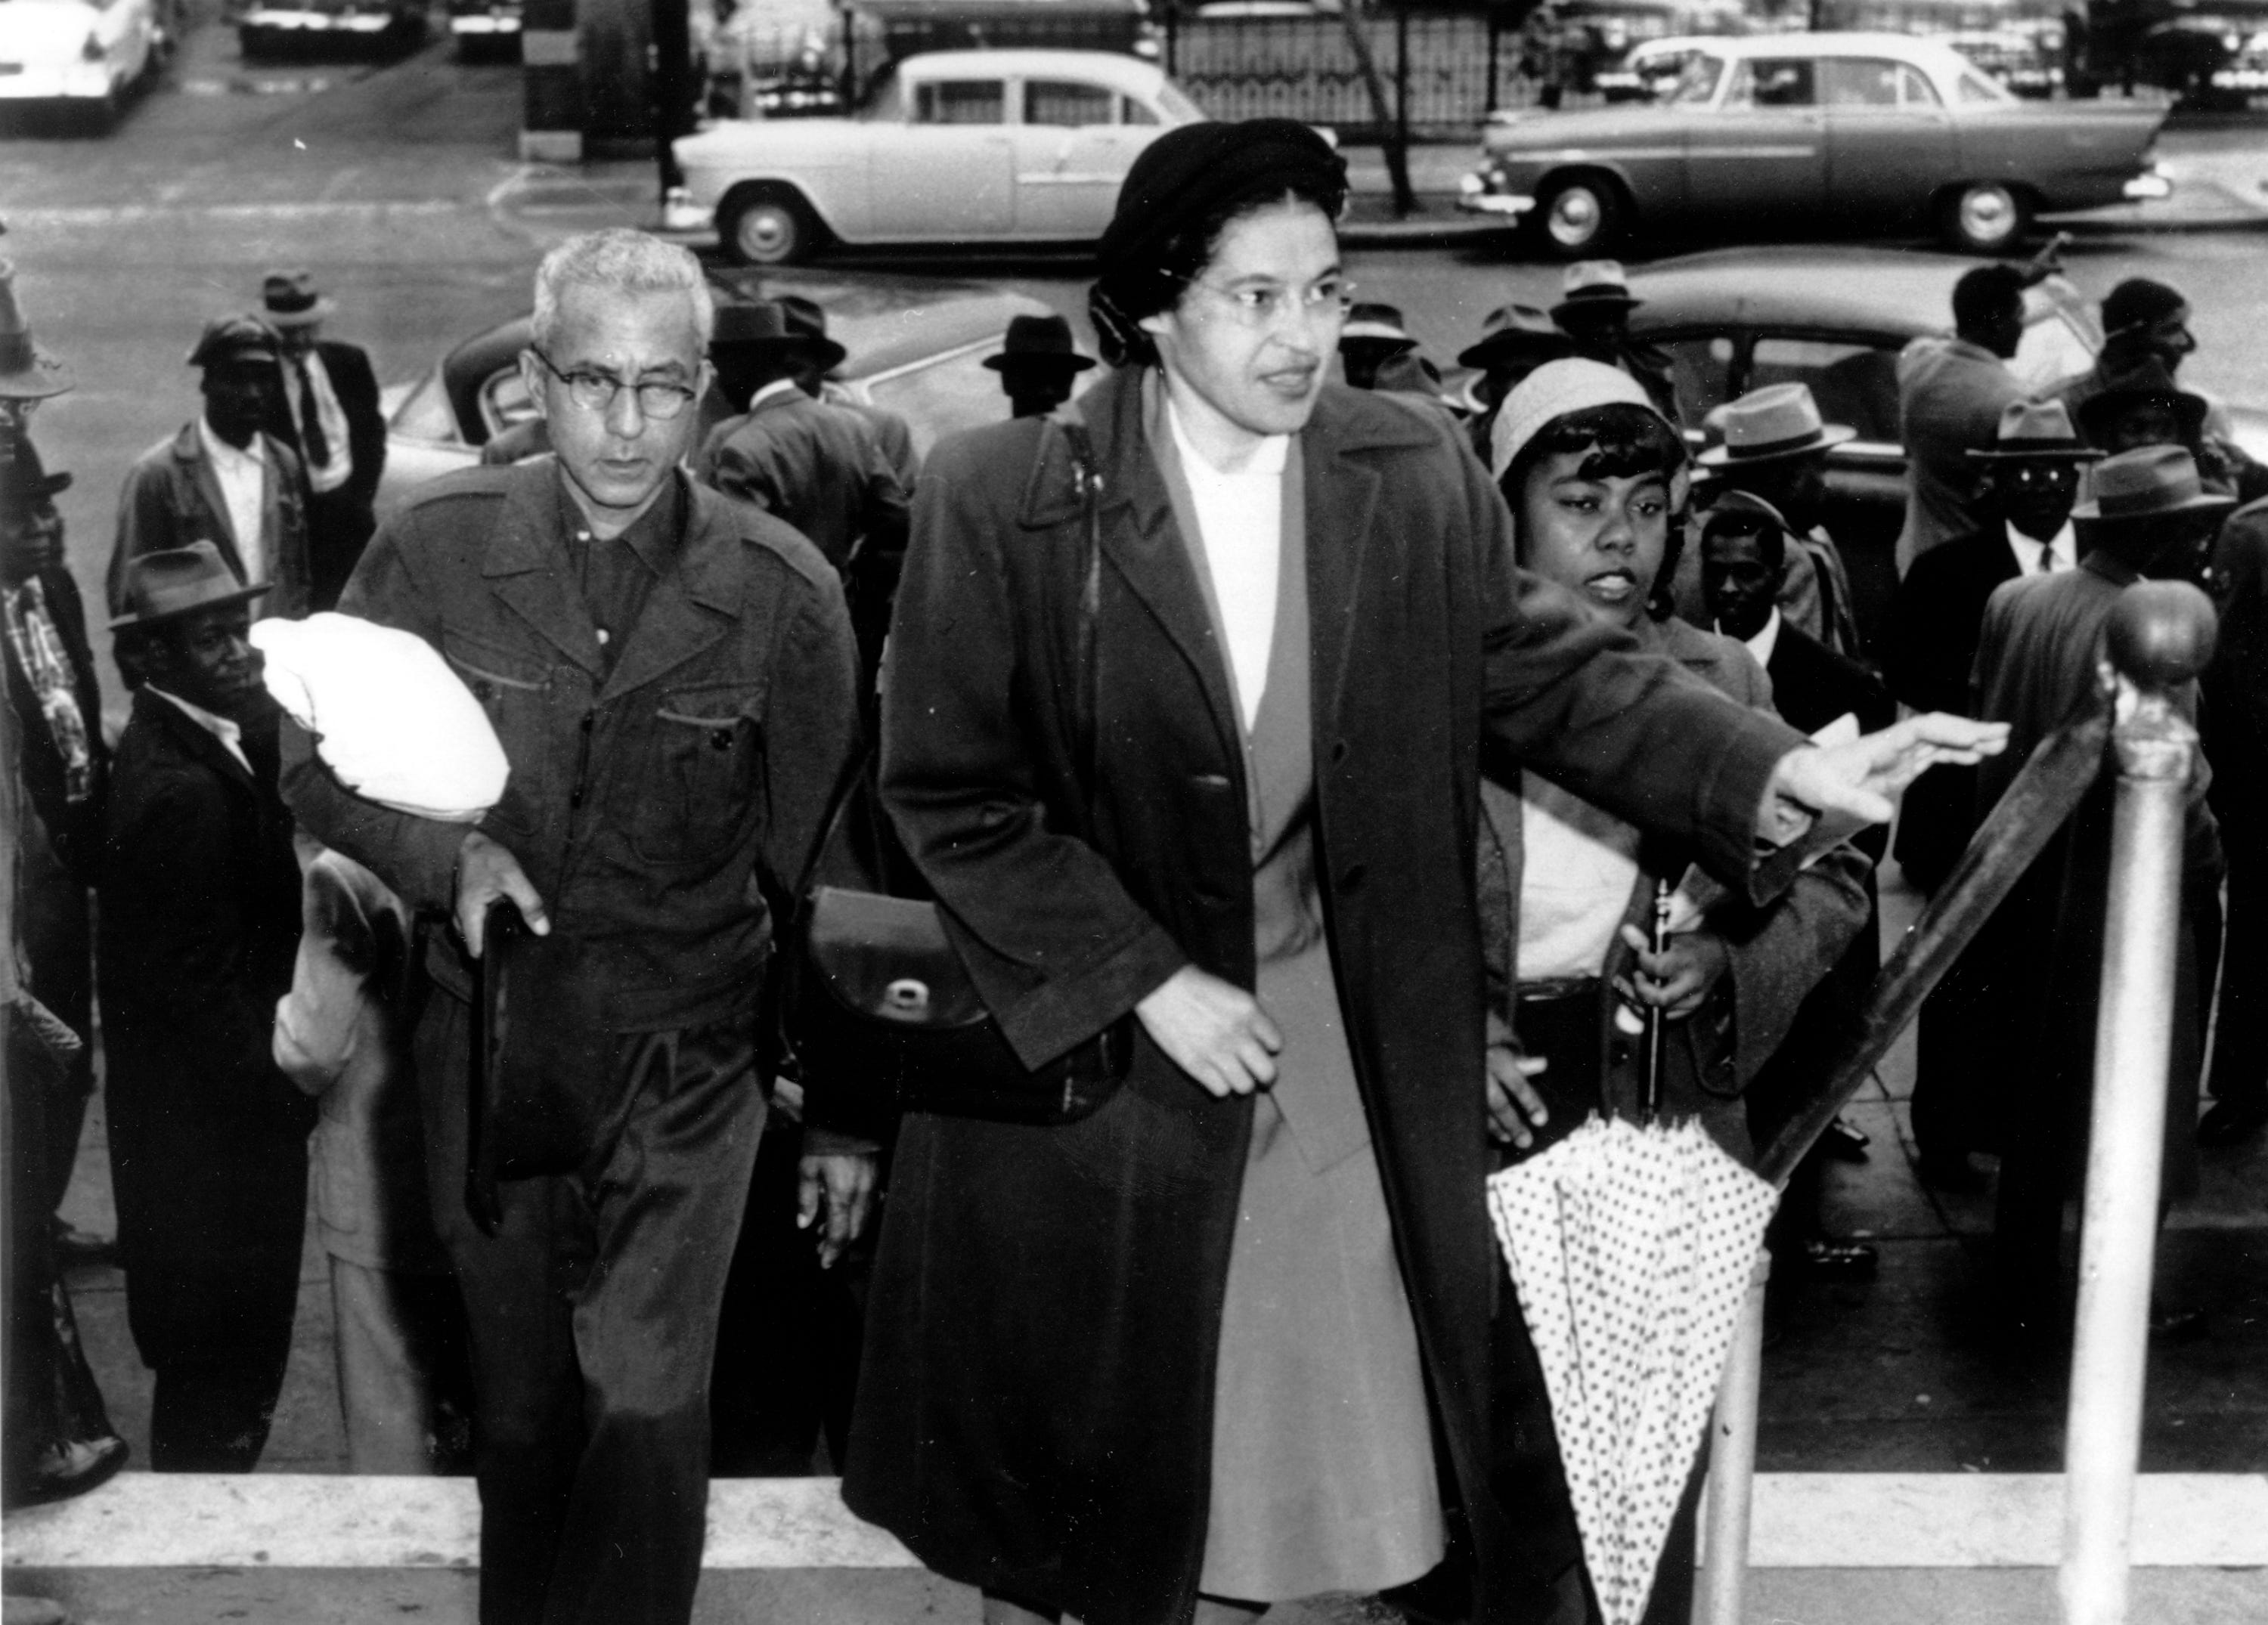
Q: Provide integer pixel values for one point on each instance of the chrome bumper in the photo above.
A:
(1474, 197)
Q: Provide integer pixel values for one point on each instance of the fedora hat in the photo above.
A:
(1779, 420)
(290, 299)
(2148, 483)
(1378, 324)
(26, 371)
(162, 586)
(2035, 428)
(1740, 511)
(1038, 341)
(2149, 381)
(1511, 330)
(1593, 285)
(807, 318)
(235, 338)
(23, 481)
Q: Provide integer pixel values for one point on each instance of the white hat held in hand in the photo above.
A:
(388, 716)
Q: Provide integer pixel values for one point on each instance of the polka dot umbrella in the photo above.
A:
(1630, 1246)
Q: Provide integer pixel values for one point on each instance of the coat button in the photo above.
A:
(1339, 748)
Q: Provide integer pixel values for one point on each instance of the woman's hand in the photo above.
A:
(1212, 1030)
(1679, 978)
(1512, 1102)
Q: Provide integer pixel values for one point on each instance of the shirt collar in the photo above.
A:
(230, 735)
(2028, 549)
(221, 452)
(1766, 640)
(773, 390)
(653, 537)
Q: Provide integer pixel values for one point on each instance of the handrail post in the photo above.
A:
(2160, 637)
(1723, 1596)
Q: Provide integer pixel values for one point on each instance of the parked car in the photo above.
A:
(1835, 319)
(1652, 69)
(480, 26)
(1862, 129)
(916, 348)
(953, 146)
(92, 53)
(267, 29)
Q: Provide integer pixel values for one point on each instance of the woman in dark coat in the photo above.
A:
(1094, 1349)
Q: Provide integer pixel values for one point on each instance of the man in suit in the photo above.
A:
(2149, 517)
(222, 478)
(199, 921)
(1951, 394)
(1743, 554)
(891, 431)
(2235, 725)
(1373, 334)
(2031, 476)
(1515, 339)
(1593, 311)
(670, 675)
(1038, 365)
(326, 411)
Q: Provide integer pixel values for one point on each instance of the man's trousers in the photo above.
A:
(593, 1311)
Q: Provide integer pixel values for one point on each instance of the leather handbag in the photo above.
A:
(879, 1005)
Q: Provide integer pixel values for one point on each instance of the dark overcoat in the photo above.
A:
(199, 922)
(1035, 1405)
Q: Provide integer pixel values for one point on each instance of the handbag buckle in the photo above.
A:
(907, 998)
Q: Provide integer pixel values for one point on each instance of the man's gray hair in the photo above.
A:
(621, 260)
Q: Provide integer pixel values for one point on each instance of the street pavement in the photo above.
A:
(395, 184)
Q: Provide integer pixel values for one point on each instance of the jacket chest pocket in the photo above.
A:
(701, 775)
(515, 691)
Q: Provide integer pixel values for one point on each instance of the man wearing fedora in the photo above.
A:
(1372, 335)
(222, 478)
(1951, 392)
(1038, 365)
(2149, 517)
(2031, 477)
(1515, 339)
(199, 922)
(1771, 443)
(891, 431)
(326, 411)
(1593, 311)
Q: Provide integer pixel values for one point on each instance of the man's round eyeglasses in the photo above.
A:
(595, 392)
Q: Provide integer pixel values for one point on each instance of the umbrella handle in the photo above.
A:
(1658, 941)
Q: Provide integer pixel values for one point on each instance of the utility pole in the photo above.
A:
(673, 87)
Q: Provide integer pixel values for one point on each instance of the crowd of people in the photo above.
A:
(1327, 737)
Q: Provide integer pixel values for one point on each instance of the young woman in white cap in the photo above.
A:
(1595, 476)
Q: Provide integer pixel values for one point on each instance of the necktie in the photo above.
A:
(313, 440)
(2047, 559)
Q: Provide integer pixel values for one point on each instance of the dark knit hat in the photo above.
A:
(2137, 302)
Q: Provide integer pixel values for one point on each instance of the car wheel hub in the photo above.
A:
(1574, 216)
(1986, 212)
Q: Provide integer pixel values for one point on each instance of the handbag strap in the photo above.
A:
(1087, 479)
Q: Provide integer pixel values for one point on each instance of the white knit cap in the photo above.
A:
(1553, 390)
(390, 717)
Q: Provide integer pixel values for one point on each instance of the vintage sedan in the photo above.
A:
(268, 29)
(916, 348)
(1835, 319)
(1862, 129)
(87, 53)
(951, 146)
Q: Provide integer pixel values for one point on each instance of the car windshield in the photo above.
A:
(1698, 81)
(1183, 110)
(425, 414)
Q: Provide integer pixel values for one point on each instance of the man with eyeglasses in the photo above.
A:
(671, 677)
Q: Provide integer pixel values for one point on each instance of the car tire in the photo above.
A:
(1982, 216)
(1579, 216)
(768, 225)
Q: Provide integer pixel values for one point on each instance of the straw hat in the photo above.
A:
(290, 299)
(2148, 483)
(26, 371)
(1777, 420)
(2035, 428)
(1553, 390)
(179, 581)
(1382, 323)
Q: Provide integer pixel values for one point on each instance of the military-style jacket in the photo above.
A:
(651, 804)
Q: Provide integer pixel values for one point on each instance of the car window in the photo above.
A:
(884, 103)
(2050, 351)
(1063, 102)
(425, 414)
(1701, 372)
(1773, 82)
(961, 101)
(1916, 91)
(1855, 384)
(504, 400)
(1697, 81)
(1973, 87)
(944, 394)
(1858, 82)
(1132, 112)
(1179, 107)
